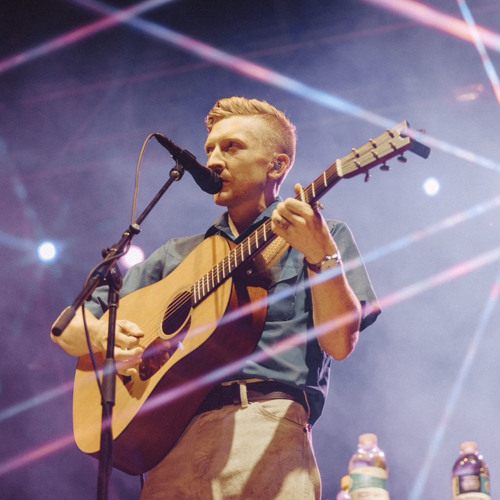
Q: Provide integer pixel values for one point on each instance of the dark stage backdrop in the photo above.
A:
(80, 90)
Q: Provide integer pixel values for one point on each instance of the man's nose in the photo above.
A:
(215, 161)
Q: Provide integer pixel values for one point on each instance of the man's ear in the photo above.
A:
(278, 166)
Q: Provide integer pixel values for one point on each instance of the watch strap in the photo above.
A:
(317, 268)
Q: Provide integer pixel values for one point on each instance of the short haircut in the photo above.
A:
(281, 134)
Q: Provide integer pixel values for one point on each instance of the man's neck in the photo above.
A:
(242, 216)
(233, 228)
(240, 222)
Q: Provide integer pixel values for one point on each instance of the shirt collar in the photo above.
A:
(221, 224)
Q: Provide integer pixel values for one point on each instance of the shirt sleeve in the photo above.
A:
(156, 267)
(356, 273)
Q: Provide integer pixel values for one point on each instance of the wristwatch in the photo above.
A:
(328, 262)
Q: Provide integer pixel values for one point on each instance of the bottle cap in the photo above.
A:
(345, 483)
(468, 447)
(368, 440)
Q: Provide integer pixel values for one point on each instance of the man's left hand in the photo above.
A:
(303, 227)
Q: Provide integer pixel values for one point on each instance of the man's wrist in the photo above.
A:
(328, 262)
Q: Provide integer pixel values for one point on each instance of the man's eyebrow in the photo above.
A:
(222, 140)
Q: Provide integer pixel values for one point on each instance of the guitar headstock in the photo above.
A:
(393, 142)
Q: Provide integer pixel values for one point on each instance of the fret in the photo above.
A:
(338, 164)
(302, 194)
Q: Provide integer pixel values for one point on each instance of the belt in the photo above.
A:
(230, 394)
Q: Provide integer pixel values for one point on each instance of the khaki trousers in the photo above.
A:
(262, 451)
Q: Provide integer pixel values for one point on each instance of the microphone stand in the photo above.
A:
(108, 273)
(114, 281)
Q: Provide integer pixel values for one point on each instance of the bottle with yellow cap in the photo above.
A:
(345, 486)
(368, 471)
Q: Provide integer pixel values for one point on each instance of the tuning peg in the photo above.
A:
(402, 159)
(367, 176)
(385, 167)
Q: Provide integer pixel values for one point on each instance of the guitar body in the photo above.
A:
(183, 346)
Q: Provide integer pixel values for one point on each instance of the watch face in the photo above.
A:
(329, 264)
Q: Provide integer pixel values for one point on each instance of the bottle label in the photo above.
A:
(471, 487)
(369, 483)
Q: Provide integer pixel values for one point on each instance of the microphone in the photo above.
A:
(208, 180)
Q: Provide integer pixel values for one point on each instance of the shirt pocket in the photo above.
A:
(282, 297)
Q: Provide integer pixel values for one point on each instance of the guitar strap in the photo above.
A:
(262, 264)
(273, 253)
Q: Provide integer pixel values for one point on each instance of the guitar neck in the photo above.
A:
(375, 152)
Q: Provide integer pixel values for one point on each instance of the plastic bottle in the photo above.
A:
(470, 478)
(368, 471)
(345, 485)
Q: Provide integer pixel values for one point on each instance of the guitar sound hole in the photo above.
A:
(177, 314)
(175, 325)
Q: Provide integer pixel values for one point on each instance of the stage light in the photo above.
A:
(431, 186)
(47, 251)
(134, 255)
(469, 93)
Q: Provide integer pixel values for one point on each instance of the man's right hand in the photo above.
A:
(127, 335)
(127, 349)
